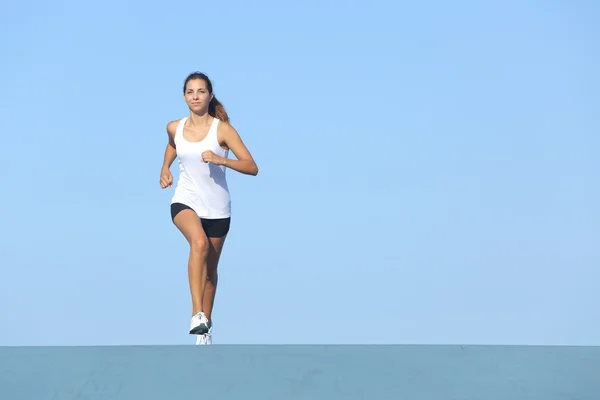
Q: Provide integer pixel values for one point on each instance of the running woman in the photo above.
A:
(201, 204)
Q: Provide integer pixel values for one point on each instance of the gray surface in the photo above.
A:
(300, 372)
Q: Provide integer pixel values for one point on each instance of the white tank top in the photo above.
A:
(201, 186)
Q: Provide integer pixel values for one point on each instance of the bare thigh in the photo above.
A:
(214, 252)
(190, 226)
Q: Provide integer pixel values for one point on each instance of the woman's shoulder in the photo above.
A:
(172, 126)
(224, 126)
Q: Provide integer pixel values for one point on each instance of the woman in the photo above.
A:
(201, 206)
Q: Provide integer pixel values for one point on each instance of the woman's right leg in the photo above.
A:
(189, 224)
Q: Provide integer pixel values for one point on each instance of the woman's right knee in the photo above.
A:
(199, 245)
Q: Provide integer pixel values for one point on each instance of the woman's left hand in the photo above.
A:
(210, 156)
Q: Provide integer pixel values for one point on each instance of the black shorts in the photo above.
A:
(212, 227)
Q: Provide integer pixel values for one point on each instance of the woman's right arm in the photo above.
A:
(166, 179)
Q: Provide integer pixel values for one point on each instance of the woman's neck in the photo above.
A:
(199, 119)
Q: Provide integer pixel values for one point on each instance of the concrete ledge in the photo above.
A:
(300, 372)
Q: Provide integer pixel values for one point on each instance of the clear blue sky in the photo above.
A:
(428, 171)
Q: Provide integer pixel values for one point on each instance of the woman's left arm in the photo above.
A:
(244, 164)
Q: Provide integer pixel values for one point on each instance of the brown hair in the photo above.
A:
(215, 107)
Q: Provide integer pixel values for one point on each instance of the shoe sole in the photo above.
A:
(199, 330)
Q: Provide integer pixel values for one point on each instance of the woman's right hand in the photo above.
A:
(166, 179)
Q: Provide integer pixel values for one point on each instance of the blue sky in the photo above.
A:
(428, 171)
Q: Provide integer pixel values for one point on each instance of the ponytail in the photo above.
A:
(217, 109)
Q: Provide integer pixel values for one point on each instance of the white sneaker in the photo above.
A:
(199, 324)
(205, 338)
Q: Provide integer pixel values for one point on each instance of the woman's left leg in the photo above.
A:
(215, 247)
